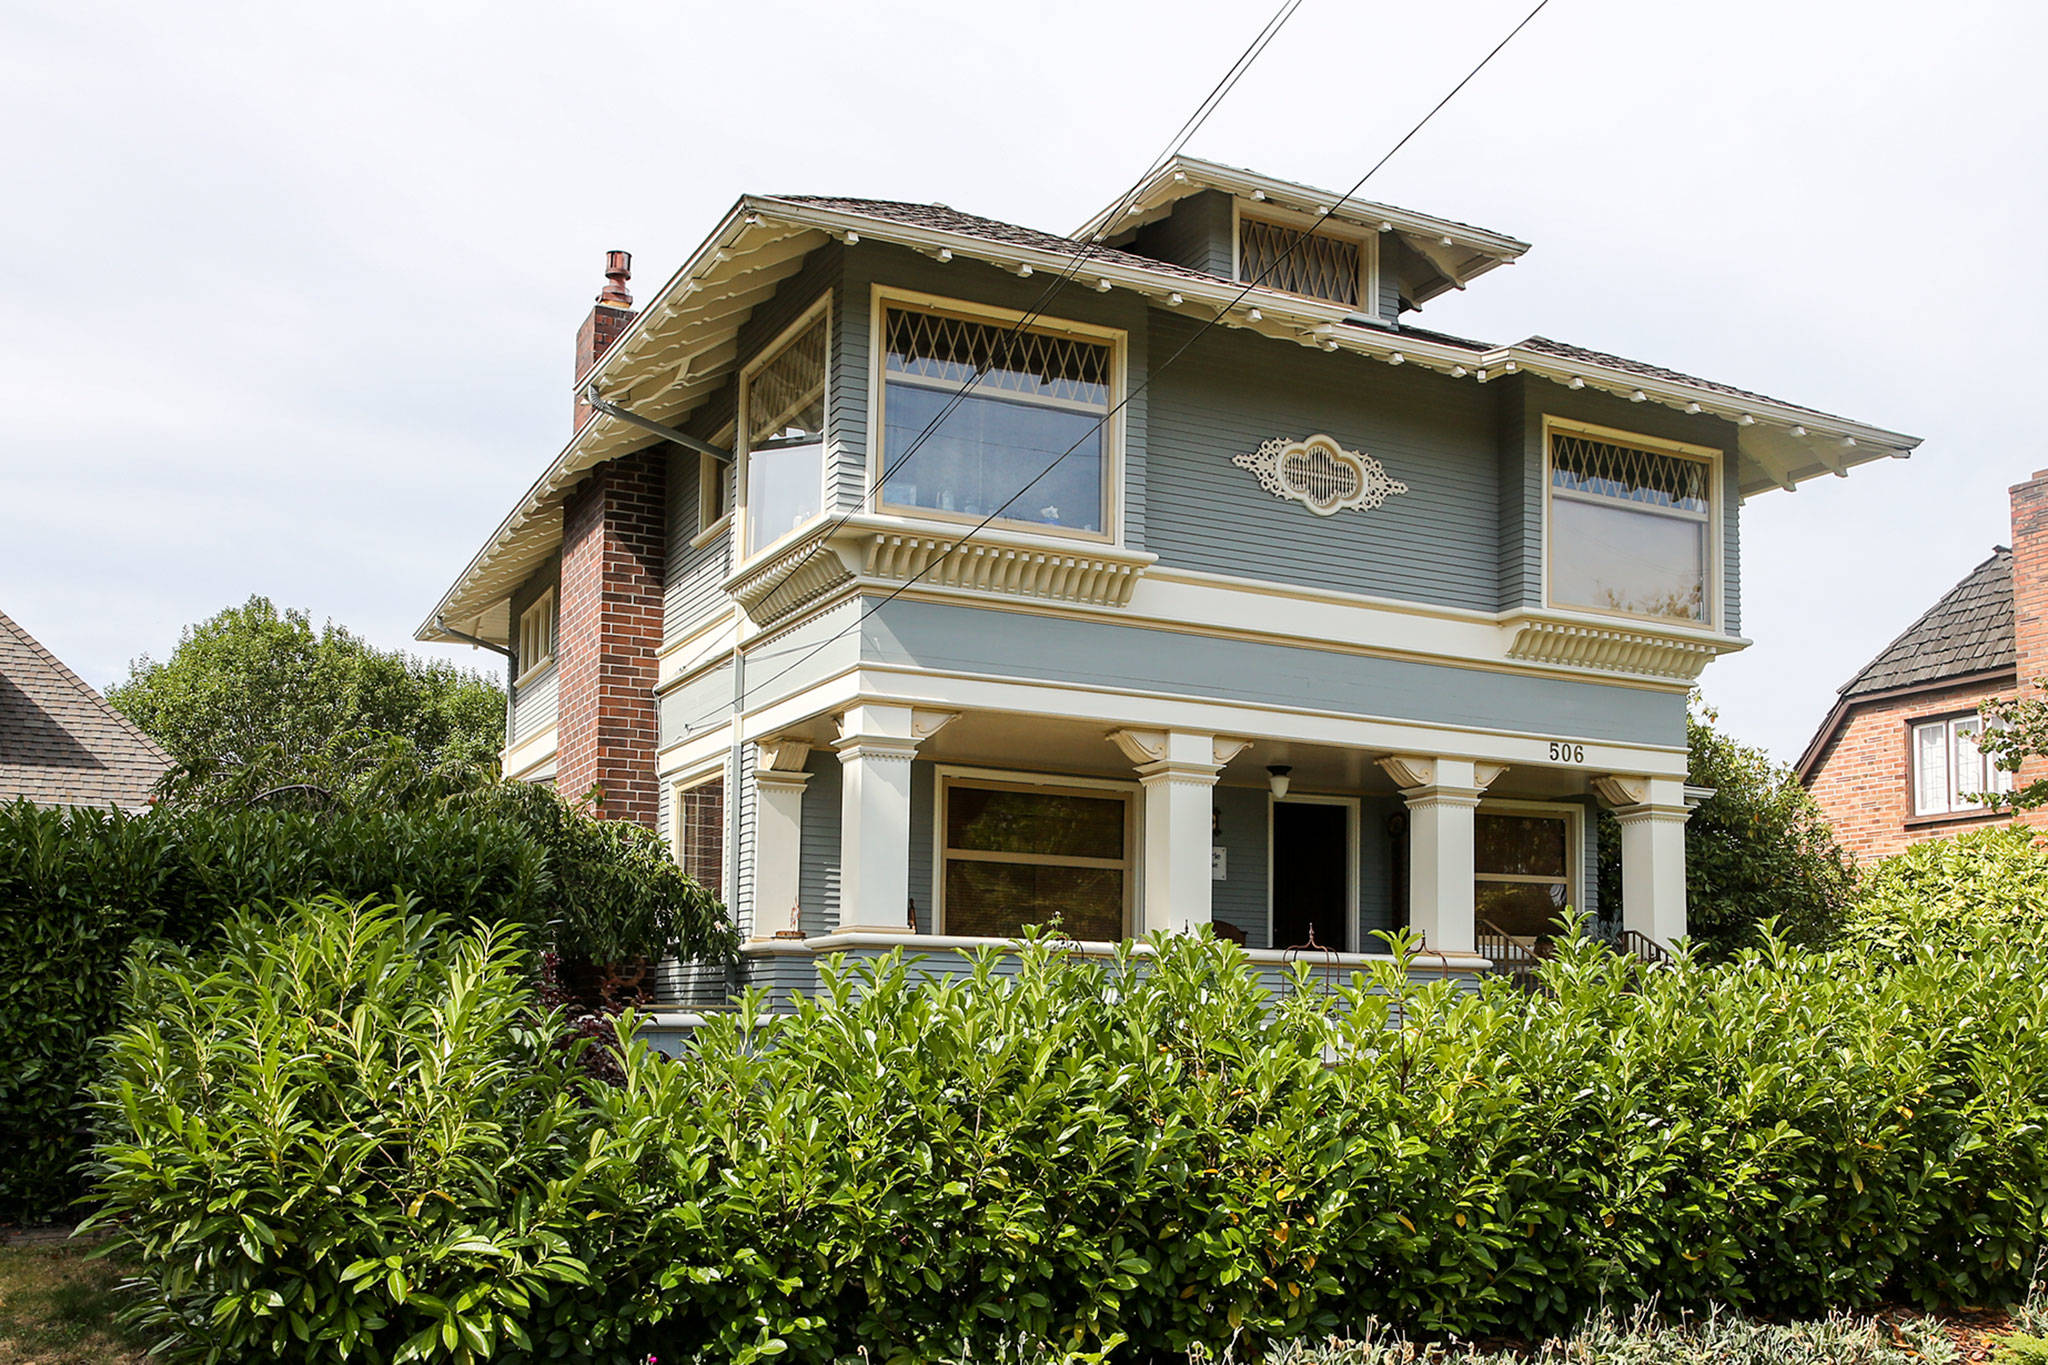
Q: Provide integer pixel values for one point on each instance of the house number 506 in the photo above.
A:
(1562, 751)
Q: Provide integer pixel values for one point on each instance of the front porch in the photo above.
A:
(905, 822)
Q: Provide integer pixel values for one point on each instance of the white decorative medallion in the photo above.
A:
(1320, 474)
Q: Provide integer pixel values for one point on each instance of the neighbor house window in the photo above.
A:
(1948, 768)
(1522, 868)
(537, 625)
(700, 834)
(1629, 527)
(1027, 443)
(1323, 265)
(1016, 855)
(784, 402)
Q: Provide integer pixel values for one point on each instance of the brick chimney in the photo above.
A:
(608, 320)
(614, 564)
(2030, 577)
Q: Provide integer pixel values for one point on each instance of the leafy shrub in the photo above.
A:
(1758, 851)
(2022, 1351)
(78, 890)
(343, 1137)
(1946, 893)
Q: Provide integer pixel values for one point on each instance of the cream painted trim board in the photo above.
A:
(689, 657)
(1113, 428)
(519, 760)
(1430, 964)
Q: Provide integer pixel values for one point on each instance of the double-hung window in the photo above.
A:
(1029, 442)
(784, 404)
(1631, 525)
(1949, 769)
(1015, 855)
(1522, 866)
(700, 833)
(537, 627)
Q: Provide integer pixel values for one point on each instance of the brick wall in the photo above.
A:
(1863, 779)
(604, 326)
(614, 552)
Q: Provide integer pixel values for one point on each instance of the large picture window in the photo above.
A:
(1629, 527)
(1949, 769)
(1015, 855)
(784, 402)
(1522, 869)
(1028, 443)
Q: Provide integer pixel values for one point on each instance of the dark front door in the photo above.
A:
(1311, 874)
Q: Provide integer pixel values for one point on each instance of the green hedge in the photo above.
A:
(1142, 1157)
(1951, 892)
(79, 889)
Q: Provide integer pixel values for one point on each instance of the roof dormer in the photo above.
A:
(1373, 258)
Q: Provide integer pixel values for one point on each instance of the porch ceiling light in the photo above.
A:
(1276, 778)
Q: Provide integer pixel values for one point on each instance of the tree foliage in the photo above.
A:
(1759, 849)
(1945, 894)
(256, 703)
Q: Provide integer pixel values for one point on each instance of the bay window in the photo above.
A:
(1522, 869)
(1631, 525)
(1949, 769)
(1015, 854)
(1028, 443)
(783, 400)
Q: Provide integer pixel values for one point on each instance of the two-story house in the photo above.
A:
(926, 577)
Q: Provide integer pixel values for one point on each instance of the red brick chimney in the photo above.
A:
(614, 563)
(606, 323)
(2030, 577)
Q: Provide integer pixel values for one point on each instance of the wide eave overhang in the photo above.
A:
(683, 347)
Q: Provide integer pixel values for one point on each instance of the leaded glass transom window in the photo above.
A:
(1026, 443)
(1629, 528)
(1320, 264)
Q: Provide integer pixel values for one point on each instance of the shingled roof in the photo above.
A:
(1969, 631)
(61, 744)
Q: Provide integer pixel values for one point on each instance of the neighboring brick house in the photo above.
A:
(61, 744)
(1896, 760)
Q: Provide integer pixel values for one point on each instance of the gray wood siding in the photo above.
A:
(1232, 391)
(1196, 234)
(704, 698)
(1240, 898)
(871, 264)
(534, 708)
(924, 806)
(743, 810)
(691, 590)
(818, 852)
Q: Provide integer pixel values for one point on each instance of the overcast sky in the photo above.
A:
(287, 291)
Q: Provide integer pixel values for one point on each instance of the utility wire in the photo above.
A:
(1151, 374)
(1005, 345)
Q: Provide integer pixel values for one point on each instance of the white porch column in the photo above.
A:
(1178, 771)
(1652, 812)
(876, 744)
(1443, 801)
(779, 780)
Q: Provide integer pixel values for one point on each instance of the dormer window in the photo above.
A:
(1328, 263)
(1631, 524)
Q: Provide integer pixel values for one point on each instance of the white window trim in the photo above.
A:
(1007, 780)
(1574, 816)
(1716, 546)
(1368, 240)
(1351, 860)
(1996, 779)
(737, 514)
(1112, 430)
(544, 605)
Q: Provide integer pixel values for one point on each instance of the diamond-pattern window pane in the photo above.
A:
(1579, 464)
(788, 393)
(1319, 264)
(1022, 363)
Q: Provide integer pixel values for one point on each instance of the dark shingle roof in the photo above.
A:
(939, 218)
(61, 744)
(1968, 631)
(1566, 351)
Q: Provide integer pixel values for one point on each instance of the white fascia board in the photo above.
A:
(1195, 174)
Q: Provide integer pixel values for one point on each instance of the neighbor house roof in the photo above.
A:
(682, 348)
(1967, 634)
(61, 744)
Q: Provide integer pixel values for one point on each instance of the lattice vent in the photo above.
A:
(789, 391)
(1582, 465)
(1034, 364)
(1320, 265)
